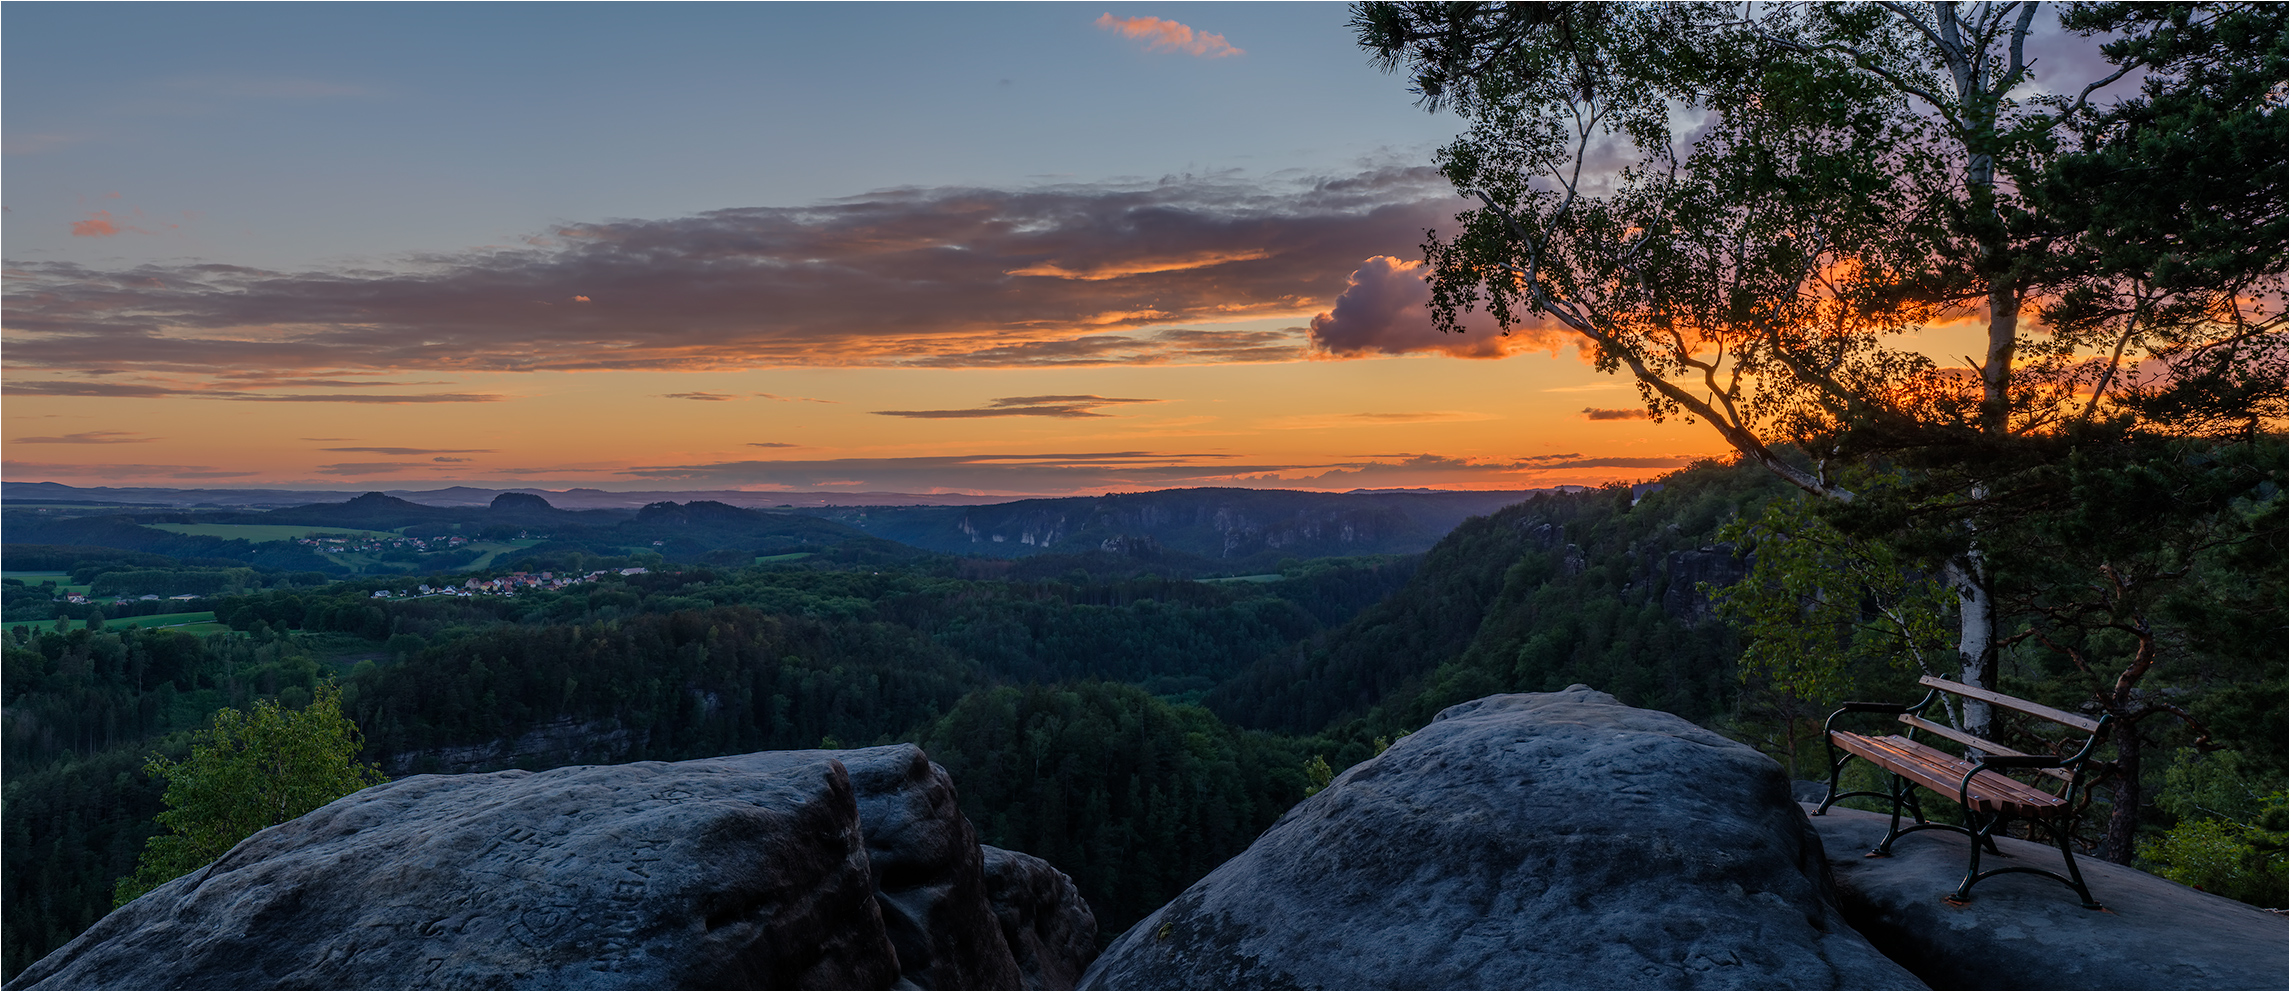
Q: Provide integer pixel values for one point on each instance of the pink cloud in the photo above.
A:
(1169, 36)
(98, 225)
(1385, 309)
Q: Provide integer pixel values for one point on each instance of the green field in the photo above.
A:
(259, 533)
(783, 557)
(63, 580)
(196, 622)
(494, 550)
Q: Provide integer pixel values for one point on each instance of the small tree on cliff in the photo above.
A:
(247, 772)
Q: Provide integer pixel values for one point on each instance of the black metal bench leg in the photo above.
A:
(1837, 762)
(1980, 840)
(2061, 832)
(1900, 792)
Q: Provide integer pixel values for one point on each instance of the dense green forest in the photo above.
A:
(1133, 727)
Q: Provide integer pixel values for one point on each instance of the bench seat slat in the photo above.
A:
(2085, 724)
(1975, 741)
(1941, 772)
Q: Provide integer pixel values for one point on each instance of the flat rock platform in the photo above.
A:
(2026, 932)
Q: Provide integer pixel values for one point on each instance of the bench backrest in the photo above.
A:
(2079, 722)
(1935, 683)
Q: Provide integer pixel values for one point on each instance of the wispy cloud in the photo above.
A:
(696, 396)
(371, 468)
(1615, 414)
(65, 388)
(1169, 36)
(89, 438)
(34, 471)
(379, 450)
(1043, 406)
(35, 143)
(1365, 419)
(1062, 275)
(773, 444)
(1135, 470)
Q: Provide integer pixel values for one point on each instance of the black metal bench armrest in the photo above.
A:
(1863, 707)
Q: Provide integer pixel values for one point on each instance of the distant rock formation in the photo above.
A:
(520, 503)
(1717, 565)
(773, 870)
(1525, 841)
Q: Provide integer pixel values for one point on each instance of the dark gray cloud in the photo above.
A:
(1384, 310)
(902, 277)
(696, 396)
(1616, 414)
(1043, 406)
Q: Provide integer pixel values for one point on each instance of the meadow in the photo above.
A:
(63, 580)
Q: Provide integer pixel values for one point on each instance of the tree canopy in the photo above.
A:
(246, 772)
(1973, 307)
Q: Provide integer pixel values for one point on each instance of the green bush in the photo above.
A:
(247, 772)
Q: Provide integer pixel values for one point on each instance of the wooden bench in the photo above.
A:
(1990, 798)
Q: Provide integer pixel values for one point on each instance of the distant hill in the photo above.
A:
(1187, 532)
(1227, 524)
(578, 498)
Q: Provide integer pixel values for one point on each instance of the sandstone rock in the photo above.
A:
(647, 875)
(2027, 932)
(1047, 925)
(924, 856)
(1549, 840)
(771, 870)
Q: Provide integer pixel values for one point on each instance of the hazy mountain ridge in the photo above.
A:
(1213, 523)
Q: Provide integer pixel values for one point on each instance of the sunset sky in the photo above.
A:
(1030, 249)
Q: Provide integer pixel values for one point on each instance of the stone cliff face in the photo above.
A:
(772, 870)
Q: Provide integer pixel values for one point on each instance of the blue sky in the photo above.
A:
(280, 134)
(1038, 248)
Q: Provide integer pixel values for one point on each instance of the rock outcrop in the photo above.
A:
(774, 870)
(1049, 929)
(1547, 840)
(2027, 932)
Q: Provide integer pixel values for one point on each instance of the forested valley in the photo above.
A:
(1132, 724)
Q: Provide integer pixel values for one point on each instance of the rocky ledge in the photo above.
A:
(1565, 841)
(773, 870)
(1529, 841)
(2029, 933)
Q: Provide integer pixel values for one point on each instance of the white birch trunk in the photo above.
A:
(1976, 631)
